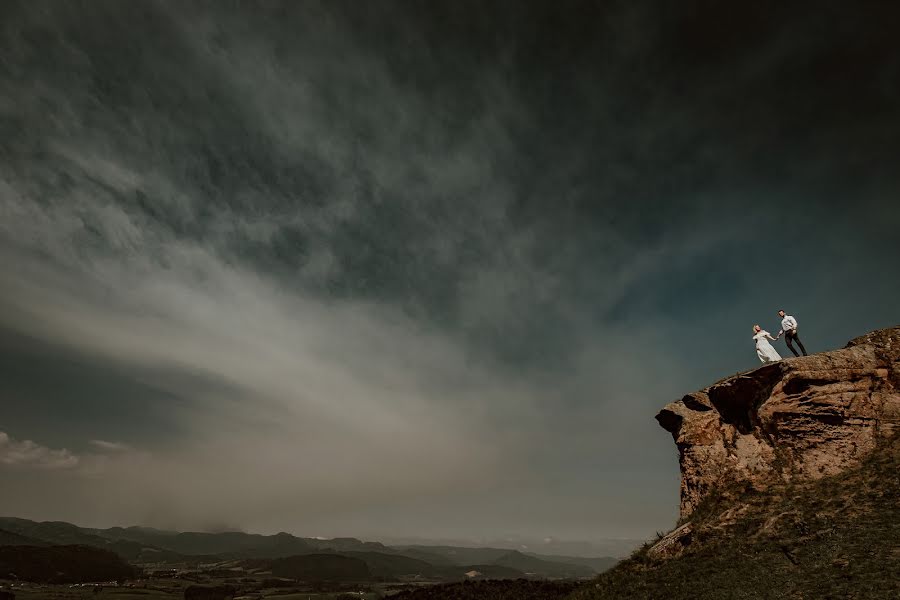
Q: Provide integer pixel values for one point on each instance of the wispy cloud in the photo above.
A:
(110, 446)
(26, 454)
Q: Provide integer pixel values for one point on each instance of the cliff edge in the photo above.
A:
(799, 419)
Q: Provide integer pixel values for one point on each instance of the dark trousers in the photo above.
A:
(789, 338)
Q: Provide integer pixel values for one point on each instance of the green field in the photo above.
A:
(172, 589)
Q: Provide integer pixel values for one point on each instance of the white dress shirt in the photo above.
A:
(788, 323)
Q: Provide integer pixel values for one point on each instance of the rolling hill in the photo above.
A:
(321, 567)
(62, 564)
(8, 538)
(143, 545)
(544, 568)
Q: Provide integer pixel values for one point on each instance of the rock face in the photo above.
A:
(797, 419)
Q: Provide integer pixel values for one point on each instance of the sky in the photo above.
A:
(418, 269)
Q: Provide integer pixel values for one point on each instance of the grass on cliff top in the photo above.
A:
(834, 538)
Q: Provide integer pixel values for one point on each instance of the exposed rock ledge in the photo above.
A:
(797, 419)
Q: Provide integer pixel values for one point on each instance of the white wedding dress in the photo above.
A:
(764, 349)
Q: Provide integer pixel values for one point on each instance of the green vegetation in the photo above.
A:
(51, 532)
(517, 589)
(63, 564)
(387, 566)
(321, 567)
(8, 538)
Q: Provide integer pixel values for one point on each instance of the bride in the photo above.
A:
(764, 349)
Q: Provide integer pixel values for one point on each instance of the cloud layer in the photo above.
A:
(414, 272)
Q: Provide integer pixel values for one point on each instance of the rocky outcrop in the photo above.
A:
(797, 419)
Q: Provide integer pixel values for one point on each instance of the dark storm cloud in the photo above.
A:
(347, 260)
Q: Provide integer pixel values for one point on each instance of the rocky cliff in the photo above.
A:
(799, 419)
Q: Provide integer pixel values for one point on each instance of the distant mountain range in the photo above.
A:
(465, 555)
(147, 546)
(547, 546)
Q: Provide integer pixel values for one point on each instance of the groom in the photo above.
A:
(789, 329)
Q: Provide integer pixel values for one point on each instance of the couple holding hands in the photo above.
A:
(764, 349)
